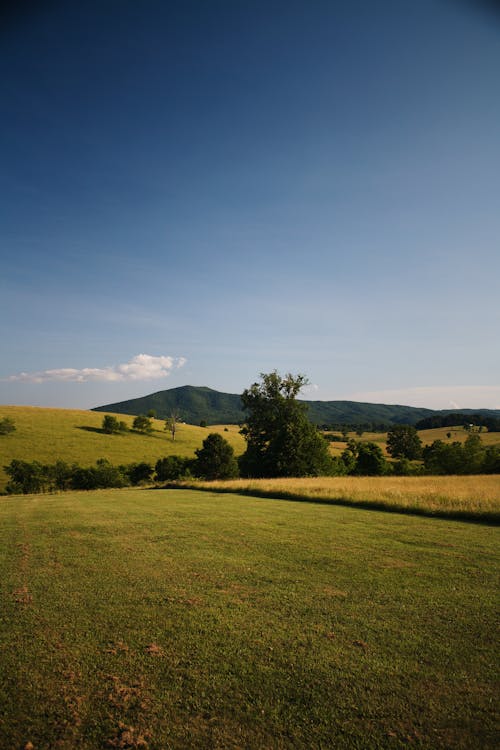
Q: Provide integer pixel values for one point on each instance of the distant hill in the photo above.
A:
(195, 404)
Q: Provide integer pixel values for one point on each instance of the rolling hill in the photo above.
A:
(195, 404)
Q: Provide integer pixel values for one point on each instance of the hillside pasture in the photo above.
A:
(46, 435)
(179, 619)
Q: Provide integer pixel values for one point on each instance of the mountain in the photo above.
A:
(192, 403)
(195, 404)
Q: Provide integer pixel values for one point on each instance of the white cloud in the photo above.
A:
(437, 397)
(310, 389)
(140, 367)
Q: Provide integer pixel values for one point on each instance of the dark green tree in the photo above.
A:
(215, 460)
(110, 424)
(403, 441)
(26, 477)
(142, 424)
(365, 459)
(7, 426)
(281, 441)
(171, 468)
(140, 472)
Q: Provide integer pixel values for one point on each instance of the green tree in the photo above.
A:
(215, 459)
(474, 454)
(403, 441)
(26, 477)
(140, 472)
(142, 424)
(281, 441)
(7, 426)
(173, 467)
(110, 424)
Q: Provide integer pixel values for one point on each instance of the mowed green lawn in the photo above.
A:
(182, 619)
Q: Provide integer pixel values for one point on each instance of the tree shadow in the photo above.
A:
(99, 430)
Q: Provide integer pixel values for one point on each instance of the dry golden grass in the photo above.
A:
(465, 496)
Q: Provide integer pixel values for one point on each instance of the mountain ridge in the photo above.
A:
(195, 404)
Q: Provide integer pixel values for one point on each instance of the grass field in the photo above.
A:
(46, 435)
(473, 497)
(427, 437)
(176, 619)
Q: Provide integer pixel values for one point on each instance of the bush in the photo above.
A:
(26, 477)
(138, 473)
(172, 468)
(142, 424)
(110, 424)
(7, 426)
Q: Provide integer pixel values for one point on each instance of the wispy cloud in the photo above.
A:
(437, 397)
(140, 367)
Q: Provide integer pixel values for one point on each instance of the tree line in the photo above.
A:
(492, 424)
(281, 442)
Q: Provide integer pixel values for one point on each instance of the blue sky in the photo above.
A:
(196, 192)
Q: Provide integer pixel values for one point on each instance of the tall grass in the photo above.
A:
(467, 497)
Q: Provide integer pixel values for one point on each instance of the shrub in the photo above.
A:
(172, 468)
(7, 426)
(140, 472)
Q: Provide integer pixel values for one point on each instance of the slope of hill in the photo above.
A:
(195, 404)
(75, 436)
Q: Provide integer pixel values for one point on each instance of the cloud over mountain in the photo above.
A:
(140, 367)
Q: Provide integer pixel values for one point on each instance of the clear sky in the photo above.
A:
(198, 191)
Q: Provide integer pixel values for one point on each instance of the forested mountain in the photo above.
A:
(195, 404)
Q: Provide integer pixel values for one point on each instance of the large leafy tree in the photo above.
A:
(403, 441)
(281, 441)
(215, 459)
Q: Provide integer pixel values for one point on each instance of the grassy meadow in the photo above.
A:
(469, 497)
(169, 619)
(46, 435)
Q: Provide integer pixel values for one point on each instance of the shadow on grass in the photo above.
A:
(100, 431)
(488, 518)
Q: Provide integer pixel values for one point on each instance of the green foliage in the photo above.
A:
(370, 460)
(170, 468)
(139, 473)
(403, 441)
(491, 463)
(470, 457)
(25, 477)
(142, 424)
(364, 459)
(215, 459)
(7, 426)
(110, 424)
(151, 413)
(281, 441)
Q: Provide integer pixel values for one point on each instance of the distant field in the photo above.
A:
(427, 437)
(175, 619)
(46, 435)
(451, 496)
